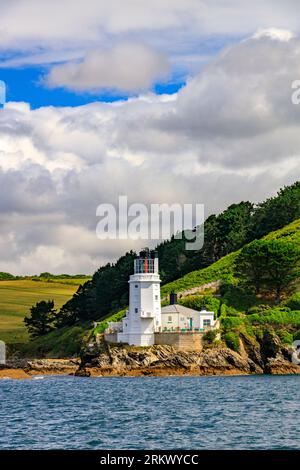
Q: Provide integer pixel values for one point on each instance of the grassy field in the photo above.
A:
(16, 298)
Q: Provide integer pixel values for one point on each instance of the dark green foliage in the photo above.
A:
(6, 276)
(107, 291)
(270, 266)
(276, 212)
(296, 336)
(45, 275)
(285, 337)
(231, 323)
(259, 309)
(198, 302)
(226, 232)
(41, 319)
(210, 336)
(293, 302)
(65, 342)
(238, 298)
(232, 341)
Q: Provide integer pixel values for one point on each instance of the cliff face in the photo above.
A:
(102, 359)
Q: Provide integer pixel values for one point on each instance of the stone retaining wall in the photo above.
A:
(187, 341)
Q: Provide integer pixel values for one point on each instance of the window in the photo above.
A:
(136, 310)
(136, 286)
(206, 322)
(169, 319)
(156, 297)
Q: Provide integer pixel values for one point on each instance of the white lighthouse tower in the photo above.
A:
(143, 318)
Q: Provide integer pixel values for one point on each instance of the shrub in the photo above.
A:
(285, 336)
(276, 317)
(236, 297)
(293, 302)
(259, 309)
(296, 335)
(210, 336)
(232, 341)
(231, 323)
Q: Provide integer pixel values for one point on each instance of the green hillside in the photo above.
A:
(225, 233)
(223, 269)
(17, 296)
(238, 311)
(232, 304)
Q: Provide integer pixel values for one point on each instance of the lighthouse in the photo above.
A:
(143, 317)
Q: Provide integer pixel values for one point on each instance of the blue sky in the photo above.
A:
(24, 84)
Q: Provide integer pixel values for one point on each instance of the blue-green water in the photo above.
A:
(255, 412)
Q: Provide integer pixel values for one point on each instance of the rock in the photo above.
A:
(165, 360)
(52, 366)
(252, 349)
(82, 373)
(280, 366)
(270, 346)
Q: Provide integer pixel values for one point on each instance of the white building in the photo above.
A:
(176, 317)
(143, 317)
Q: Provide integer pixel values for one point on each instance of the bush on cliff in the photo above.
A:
(293, 302)
(232, 341)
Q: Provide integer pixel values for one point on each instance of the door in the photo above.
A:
(191, 323)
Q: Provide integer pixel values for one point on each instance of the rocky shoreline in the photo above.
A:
(100, 359)
(27, 369)
(165, 360)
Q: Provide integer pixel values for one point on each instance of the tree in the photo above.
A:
(276, 212)
(269, 265)
(283, 260)
(250, 266)
(41, 320)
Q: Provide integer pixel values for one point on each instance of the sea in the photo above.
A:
(245, 412)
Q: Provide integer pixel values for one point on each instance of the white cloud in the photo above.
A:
(127, 67)
(231, 134)
(274, 33)
(186, 31)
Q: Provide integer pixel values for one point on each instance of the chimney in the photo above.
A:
(173, 298)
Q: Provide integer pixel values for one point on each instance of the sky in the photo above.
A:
(169, 101)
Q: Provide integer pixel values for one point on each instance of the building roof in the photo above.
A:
(177, 308)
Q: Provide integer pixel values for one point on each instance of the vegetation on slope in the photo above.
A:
(108, 290)
(224, 234)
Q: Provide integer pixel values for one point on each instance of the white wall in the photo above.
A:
(144, 314)
(183, 320)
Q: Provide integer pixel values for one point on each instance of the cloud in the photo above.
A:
(231, 134)
(274, 33)
(186, 31)
(126, 67)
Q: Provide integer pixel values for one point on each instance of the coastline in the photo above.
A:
(21, 374)
(127, 363)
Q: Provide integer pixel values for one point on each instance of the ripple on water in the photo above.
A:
(150, 413)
